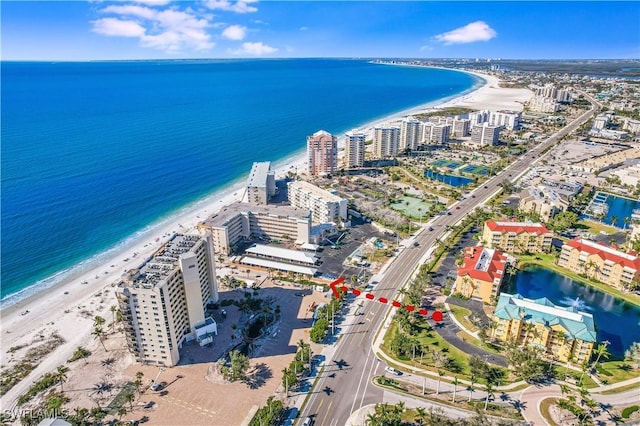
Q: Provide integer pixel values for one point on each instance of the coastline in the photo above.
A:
(59, 306)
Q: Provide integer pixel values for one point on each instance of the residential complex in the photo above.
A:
(163, 301)
(481, 273)
(322, 153)
(508, 119)
(517, 237)
(386, 141)
(411, 134)
(600, 262)
(566, 334)
(354, 145)
(437, 134)
(324, 206)
(485, 134)
(241, 222)
(261, 185)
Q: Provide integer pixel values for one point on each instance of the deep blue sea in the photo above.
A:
(95, 152)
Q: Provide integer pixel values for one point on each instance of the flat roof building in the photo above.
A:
(164, 299)
(261, 184)
(386, 141)
(354, 149)
(485, 134)
(325, 207)
(241, 222)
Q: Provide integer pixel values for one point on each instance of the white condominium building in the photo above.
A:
(541, 104)
(386, 141)
(507, 119)
(325, 207)
(163, 301)
(437, 134)
(410, 134)
(485, 134)
(461, 127)
(322, 153)
(241, 222)
(261, 184)
(354, 144)
(479, 117)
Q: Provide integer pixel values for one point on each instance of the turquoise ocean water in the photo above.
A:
(95, 152)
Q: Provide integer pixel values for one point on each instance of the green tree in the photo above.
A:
(601, 352)
(98, 333)
(239, 365)
(61, 375)
(527, 362)
(632, 355)
(489, 389)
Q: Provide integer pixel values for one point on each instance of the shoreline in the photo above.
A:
(60, 307)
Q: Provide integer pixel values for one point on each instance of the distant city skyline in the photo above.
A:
(165, 29)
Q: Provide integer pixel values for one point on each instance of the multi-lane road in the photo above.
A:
(345, 383)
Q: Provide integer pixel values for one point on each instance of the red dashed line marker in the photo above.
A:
(436, 316)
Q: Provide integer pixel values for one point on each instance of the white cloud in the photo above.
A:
(117, 27)
(235, 32)
(426, 48)
(255, 49)
(170, 30)
(475, 31)
(154, 2)
(241, 6)
(304, 28)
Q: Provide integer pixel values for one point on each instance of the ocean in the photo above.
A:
(94, 153)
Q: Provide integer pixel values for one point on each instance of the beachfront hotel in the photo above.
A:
(322, 153)
(238, 223)
(517, 237)
(325, 207)
(163, 301)
(354, 147)
(600, 262)
(480, 274)
(261, 184)
(563, 333)
(386, 141)
(410, 134)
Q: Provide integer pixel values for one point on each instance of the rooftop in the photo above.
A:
(282, 253)
(483, 264)
(258, 174)
(517, 227)
(162, 263)
(266, 263)
(232, 210)
(313, 190)
(605, 252)
(576, 323)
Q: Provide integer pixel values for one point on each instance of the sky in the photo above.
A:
(166, 29)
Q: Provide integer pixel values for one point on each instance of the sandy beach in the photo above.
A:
(69, 307)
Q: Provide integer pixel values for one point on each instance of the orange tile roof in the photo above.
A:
(605, 253)
(517, 227)
(494, 267)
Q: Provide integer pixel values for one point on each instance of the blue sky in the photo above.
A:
(159, 29)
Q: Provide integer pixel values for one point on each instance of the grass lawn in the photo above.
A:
(476, 342)
(462, 314)
(548, 261)
(545, 404)
(596, 228)
(412, 207)
(616, 371)
(621, 389)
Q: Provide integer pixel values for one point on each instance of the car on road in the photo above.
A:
(430, 228)
(449, 213)
(416, 244)
(457, 207)
(393, 371)
(307, 422)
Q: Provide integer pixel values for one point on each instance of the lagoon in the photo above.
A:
(616, 320)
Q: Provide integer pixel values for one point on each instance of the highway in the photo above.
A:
(345, 383)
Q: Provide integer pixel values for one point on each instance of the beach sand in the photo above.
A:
(69, 307)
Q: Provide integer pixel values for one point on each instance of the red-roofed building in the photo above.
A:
(481, 273)
(601, 263)
(517, 237)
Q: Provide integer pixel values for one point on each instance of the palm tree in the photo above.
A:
(602, 352)
(121, 412)
(138, 381)
(113, 310)
(129, 397)
(489, 390)
(421, 415)
(98, 320)
(470, 388)
(440, 374)
(98, 333)
(61, 375)
(455, 388)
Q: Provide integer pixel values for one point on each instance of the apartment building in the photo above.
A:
(325, 207)
(354, 145)
(163, 301)
(508, 119)
(480, 274)
(600, 262)
(542, 201)
(386, 141)
(261, 184)
(322, 153)
(479, 117)
(460, 127)
(241, 222)
(437, 134)
(485, 134)
(517, 237)
(564, 333)
(411, 134)
(542, 104)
